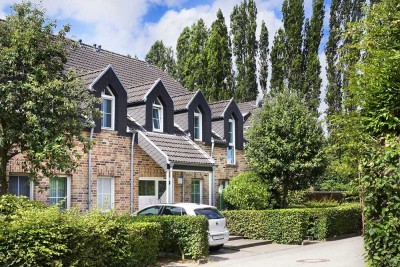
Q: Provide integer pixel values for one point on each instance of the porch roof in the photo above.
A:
(177, 150)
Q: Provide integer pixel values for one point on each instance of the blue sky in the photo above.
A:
(132, 26)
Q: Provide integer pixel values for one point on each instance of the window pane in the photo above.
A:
(230, 154)
(24, 186)
(156, 118)
(196, 191)
(58, 191)
(210, 213)
(147, 188)
(230, 132)
(13, 185)
(162, 187)
(150, 211)
(104, 193)
(196, 127)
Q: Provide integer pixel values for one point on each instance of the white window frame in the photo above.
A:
(112, 98)
(31, 185)
(201, 190)
(199, 115)
(112, 194)
(68, 190)
(231, 143)
(158, 106)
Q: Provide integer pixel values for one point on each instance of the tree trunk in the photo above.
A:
(3, 175)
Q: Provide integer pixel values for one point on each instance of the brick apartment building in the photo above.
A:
(156, 141)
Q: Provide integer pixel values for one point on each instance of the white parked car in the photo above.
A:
(218, 234)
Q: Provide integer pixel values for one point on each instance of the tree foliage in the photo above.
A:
(41, 111)
(162, 57)
(285, 144)
(243, 30)
(278, 63)
(247, 191)
(263, 52)
(218, 58)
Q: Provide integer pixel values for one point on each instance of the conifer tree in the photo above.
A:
(182, 54)
(162, 57)
(243, 30)
(312, 67)
(263, 50)
(278, 61)
(219, 62)
(293, 19)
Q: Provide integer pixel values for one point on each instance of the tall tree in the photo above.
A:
(219, 62)
(41, 107)
(162, 57)
(263, 52)
(293, 20)
(191, 58)
(285, 144)
(278, 63)
(243, 30)
(312, 67)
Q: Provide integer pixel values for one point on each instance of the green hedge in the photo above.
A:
(48, 237)
(291, 226)
(185, 236)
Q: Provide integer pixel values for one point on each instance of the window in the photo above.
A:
(20, 186)
(197, 125)
(197, 191)
(60, 191)
(153, 210)
(230, 152)
(107, 109)
(105, 193)
(168, 210)
(210, 213)
(157, 114)
(147, 188)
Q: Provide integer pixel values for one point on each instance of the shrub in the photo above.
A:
(321, 204)
(10, 203)
(48, 237)
(185, 236)
(247, 191)
(290, 226)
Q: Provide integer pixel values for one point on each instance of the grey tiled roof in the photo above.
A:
(247, 107)
(182, 120)
(181, 101)
(131, 71)
(89, 77)
(217, 108)
(218, 127)
(136, 93)
(177, 149)
(138, 114)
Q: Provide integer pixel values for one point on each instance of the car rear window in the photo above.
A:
(210, 213)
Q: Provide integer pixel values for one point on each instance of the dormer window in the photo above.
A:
(198, 125)
(107, 109)
(230, 152)
(157, 114)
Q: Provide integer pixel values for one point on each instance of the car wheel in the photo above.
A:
(216, 248)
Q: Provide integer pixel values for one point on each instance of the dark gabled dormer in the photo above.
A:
(109, 88)
(199, 118)
(159, 109)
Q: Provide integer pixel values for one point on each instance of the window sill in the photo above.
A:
(233, 165)
(108, 129)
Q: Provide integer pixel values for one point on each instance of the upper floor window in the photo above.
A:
(107, 109)
(198, 127)
(230, 153)
(157, 116)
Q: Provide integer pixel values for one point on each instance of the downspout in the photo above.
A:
(212, 147)
(90, 170)
(132, 172)
(171, 180)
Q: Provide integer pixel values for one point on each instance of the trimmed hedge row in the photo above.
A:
(48, 237)
(291, 226)
(185, 236)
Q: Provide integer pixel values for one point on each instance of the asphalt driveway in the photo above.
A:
(344, 253)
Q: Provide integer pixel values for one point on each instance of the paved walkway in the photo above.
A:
(340, 253)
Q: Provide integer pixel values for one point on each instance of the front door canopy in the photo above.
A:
(168, 149)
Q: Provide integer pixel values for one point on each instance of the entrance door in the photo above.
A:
(151, 191)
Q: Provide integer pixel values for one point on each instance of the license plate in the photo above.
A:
(218, 237)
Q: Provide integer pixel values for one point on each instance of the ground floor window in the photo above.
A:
(105, 193)
(20, 186)
(147, 188)
(60, 191)
(196, 191)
